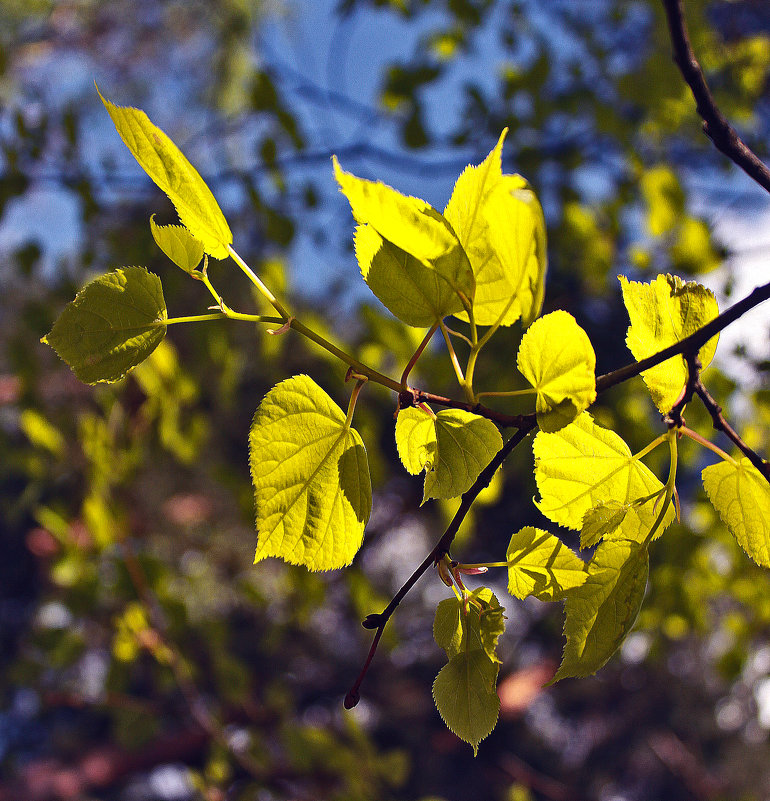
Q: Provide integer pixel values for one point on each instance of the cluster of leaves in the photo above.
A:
(483, 262)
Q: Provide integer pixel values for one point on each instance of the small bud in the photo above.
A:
(372, 621)
(472, 571)
(351, 699)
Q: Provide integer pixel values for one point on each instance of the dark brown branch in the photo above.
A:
(715, 125)
(689, 344)
(720, 424)
(379, 621)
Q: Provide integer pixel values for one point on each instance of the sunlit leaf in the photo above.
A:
(457, 629)
(178, 244)
(540, 564)
(406, 248)
(165, 163)
(453, 449)
(662, 313)
(500, 225)
(311, 478)
(600, 614)
(584, 465)
(557, 358)
(113, 324)
(602, 520)
(741, 495)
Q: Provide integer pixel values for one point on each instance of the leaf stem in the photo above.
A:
(254, 278)
(507, 394)
(416, 355)
(352, 402)
(467, 566)
(651, 447)
(222, 315)
(670, 485)
(452, 355)
(695, 436)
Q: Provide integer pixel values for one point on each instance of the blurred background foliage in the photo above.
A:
(142, 656)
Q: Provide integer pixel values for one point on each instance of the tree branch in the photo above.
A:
(379, 621)
(715, 125)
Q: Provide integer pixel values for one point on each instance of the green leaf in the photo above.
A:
(453, 448)
(662, 313)
(584, 465)
(464, 690)
(500, 224)
(408, 253)
(466, 698)
(540, 564)
(165, 163)
(114, 323)
(557, 358)
(178, 244)
(311, 478)
(604, 519)
(600, 614)
(741, 495)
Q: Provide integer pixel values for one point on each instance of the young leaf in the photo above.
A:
(662, 313)
(453, 449)
(114, 323)
(604, 519)
(165, 163)
(404, 247)
(466, 698)
(311, 478)
(584, 465)
(178, 244)
(500, 225)
(557, 358)
(741, 495)
(600, 614)
(540, 564)
(464, 690)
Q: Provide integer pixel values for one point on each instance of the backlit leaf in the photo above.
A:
(600, 614)
(540, 564)
(114, 323)
(453, 449)
(500, 225)
(406, 248)
(557, 358)
(165, 163)
(455, 630)
(662, 313)
(178, 244)
(602, 520)
(741, 495)
(311, 478)
(582, 466)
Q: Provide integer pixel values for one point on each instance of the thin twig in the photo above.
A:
(720, 424)
(715, 125)
(379, 621)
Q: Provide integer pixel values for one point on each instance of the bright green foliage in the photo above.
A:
(464, 690)
(602, 521)
(540, 564)
(741, 495)
(662, 313)
(408, 254)
(453, 447)
(311, 478)
(114, 323)
(500, 225)
(557, 358)
(165, 163)
(178, 244)
(600, 614)
(584, 465)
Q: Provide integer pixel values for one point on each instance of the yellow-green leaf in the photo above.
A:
(662, 313)
(540, 564)
(311, 478)
(557, 358)
(500, 225)
(602, 520)
(741, 495)
(178, 244)
(584, 465)
(405, 247)
(466, 627)
(453, 449)
(168, 167)
(600, 614)
(114, 323)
